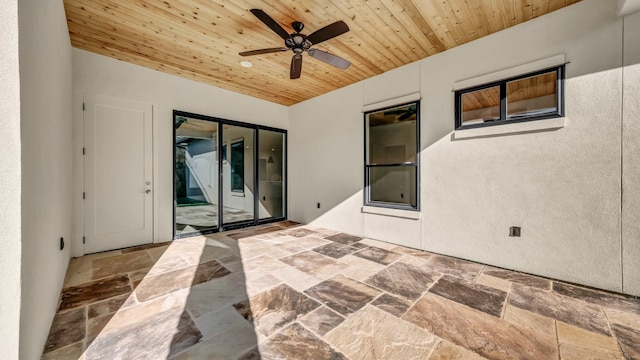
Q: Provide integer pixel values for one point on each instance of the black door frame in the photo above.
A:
(256, 184)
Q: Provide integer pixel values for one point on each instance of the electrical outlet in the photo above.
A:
(514, 231)
(61, 243)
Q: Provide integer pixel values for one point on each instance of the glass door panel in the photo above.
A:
(196, 175)
(271, 174)
(237, 174)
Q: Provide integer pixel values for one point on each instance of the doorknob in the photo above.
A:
(147, 191)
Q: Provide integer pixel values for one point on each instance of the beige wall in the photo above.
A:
(10, 179)
(98, 74)
(560, 180)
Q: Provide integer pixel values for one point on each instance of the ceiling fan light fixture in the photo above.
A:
(298, 39)
(246, 64)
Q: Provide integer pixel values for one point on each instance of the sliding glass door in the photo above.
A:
(196, 175)
(226, 174)
(271, 184)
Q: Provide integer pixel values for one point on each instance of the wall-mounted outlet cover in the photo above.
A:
(514, 231)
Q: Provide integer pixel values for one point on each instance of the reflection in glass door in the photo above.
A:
(238, 186)
(227, 174)
(271, 183)
(196, 175)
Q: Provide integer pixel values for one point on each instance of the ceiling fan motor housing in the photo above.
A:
(297, 42)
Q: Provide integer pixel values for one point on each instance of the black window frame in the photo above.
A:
(367, 191)
(560, 77)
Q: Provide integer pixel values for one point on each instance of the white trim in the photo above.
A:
(522, 69)
(405, 214)
(156, 143)
(506, 128)
(391, 102)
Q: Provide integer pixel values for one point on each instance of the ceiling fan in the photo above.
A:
(299, 43)
(404, 113)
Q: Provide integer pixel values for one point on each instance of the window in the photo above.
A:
(391, 160)
(237, 166)
(534, 96)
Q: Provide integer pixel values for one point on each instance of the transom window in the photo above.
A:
(533, 96)
(391, 164)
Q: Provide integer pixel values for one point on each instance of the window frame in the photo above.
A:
(367, 190)
(502, 84)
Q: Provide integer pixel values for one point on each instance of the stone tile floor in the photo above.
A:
(285, 291)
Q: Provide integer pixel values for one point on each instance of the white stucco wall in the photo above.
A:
(10, 179)
(631, 155)
(562, 186)
(560, 180)
(45, 88)
(98, 74)
(325, 160)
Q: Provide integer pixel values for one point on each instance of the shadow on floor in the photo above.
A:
(155, 301)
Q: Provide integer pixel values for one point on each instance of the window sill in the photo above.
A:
(237, 194)
(510, 128)
(405, 214)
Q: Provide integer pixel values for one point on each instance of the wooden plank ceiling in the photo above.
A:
(201, 39)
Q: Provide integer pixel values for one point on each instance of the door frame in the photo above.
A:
(256, 205)
(78, 232)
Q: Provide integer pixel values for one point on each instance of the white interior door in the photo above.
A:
(117, 173)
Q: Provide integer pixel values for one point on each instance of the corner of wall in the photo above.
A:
(10, 180)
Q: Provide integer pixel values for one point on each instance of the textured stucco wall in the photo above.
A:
(631, 155)
(562, 186)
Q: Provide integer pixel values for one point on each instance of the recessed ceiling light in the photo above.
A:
(246, 64)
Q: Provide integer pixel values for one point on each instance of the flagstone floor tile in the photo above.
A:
(342, 294)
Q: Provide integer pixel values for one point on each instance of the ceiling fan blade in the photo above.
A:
(405, 116)
(394, 112)
(272, 24)
(296, 66)
(262, 51)
(329, 58)
(328, 32)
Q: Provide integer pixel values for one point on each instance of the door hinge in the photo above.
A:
(84, 239)
(84, 195)
(82, 106)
